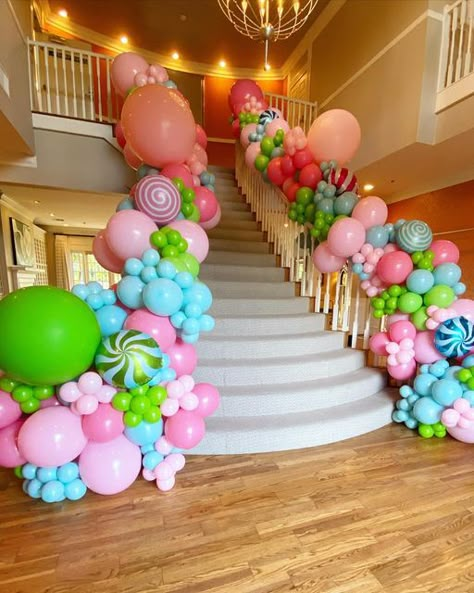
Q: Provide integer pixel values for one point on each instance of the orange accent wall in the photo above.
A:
(449, 210)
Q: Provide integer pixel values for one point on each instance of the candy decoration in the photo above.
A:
(344, 180)
(267, 116)
(159, 198)
(455, 337)
(414, 235)
(128, 359)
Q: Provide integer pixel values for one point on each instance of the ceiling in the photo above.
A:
(196, 29)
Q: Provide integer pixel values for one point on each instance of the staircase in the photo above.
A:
(285, 382)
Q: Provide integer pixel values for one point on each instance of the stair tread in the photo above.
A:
(325, 357)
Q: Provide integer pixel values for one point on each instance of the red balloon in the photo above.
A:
(236, 128)
(242, 90)
(274, 172)
(287, 166)
(286, 184)
(302, 158)
(310, 175)
(394, 267)
(206, 202)
(291, 190)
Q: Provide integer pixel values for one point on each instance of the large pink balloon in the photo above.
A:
(158, 125)
(245, 133)
(104, 255)
(444, 252)
(465, 435)
(105, 424)
(131, 158)
(185, 429)
(208, 397)
(109, 468)
(334, 135)
(346, 237)
(240, 93)
(394, 267)
(119, 135)
(425, 351)
(325, 261)
(464, 308)
(207, 203)
(159, 328)
(378, 342)
(51, 436)
(201, 136)
(10, 410)
(183, 358)
(371, 211)
(215, 220)
(253, 149)
(124, 69)
(10, 455)
(128, 233)
(198, 243)
(181, 171)
(403, 371)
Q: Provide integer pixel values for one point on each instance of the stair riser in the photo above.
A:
(241, 259)
(234, 215)
(241, 273)
(234, 206)
(249, 290)
(221, 307)
(238, 225)
(236, 235)
(243, 246)
(268, 325)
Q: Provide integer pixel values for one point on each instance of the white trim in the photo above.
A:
(23, 34)
(222, 140)
(16, 208)
(413, 25)
(454, 93)
(28, 161)
(69, 125)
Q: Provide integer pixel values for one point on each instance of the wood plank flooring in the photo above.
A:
(384, 513)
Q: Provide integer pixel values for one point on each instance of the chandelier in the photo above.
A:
(267, 20)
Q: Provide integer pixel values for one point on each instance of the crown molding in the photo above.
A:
(16, 208)
(93, 37)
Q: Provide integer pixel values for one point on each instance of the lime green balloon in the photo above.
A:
(195, 214)
(440, 295)
(261, 162)
(177, 262)
(419, 318)
(48, 335)
(267, 145)
(410, 302)
(304, 196)
(190, 263)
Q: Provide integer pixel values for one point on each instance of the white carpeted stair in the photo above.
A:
(285, 382)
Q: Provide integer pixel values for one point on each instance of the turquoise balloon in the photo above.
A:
(326, 205)
(448, 274)
(377, 236)
(427, 411)
(420, 281)
(446, 391)
(345, 204)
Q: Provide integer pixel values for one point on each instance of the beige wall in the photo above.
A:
(15, 116)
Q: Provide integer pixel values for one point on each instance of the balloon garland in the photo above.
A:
(413, 281)
(96, 383)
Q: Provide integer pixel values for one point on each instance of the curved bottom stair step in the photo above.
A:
(241, 259)
(235, 273)
(246, 306)
(260, 434)
(232, 289)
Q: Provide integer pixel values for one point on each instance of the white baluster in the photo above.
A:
(73, 77)
(468, 66)
(110, 115)
(99, 90)
(454, 24)
(91, 89)
(83, 88)
(56, 79)
(66, 98)
(48, 84)
(462, 24)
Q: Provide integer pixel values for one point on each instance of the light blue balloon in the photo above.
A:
(133, 266)
(126, 204)
(321, 186)
(329, 191)
(95, 301)
(423, 383)
(207, 323)
(377, 236)
(205, 178)
(46, 474)
(211, 188)
(469, 395)
(411, 423)
(326, 205)
(190, 338)
(318, 196)
(198, 293)
(111, 319)
(170, 84)
(345, 203)
(148, 274)
(130, 292)
(190, 326)
(81, 291)
(427, 411)
(150, 257)
(163, 297)
(420, 281)
(448, 274)
(152, 459)
(68, 472)
(34, 488)
(145, 432)
(109, 297)
(459, 288)
(52, 491)
(178, 319)
(357, 268)
(28, 471)
(166, 269)
(276, 152)
(193, 310)
(94, 287)
(75, 490)
(446, 391)
(452, 373)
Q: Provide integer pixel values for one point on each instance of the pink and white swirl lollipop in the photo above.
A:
(159, 198)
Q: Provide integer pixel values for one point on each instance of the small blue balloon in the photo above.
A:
(152, 459)
(95, 301)
(190, 338)
(163, 297)
(205, 178)
(94, 287)
(28, 471)
(75, 490)
(145, 432)
(276, 152)
(148, 274)
(448, 274)
(198, 293)
(326, 205)
(184, 279)
(150, 257)
(34, 488)
(126, 204)
(52, 491)
(193, 310)
(446, 391)
(111, 319)
(427, 411)
(377, 236)
(190, 326)
(329, 191)
(109, 297)
(170, 84)
(318, 196)
(177, 319)
(68, 472)
(420, 281)
(423, 383)
(130, 292)
(166, 269)
(345, 203)
(133, 266)
(364, 276)
(459, 288)
(469, 395)
(357, 268)
(206, 323)
(321, 186)
(46, 474)
(260, 129)
(81, 291)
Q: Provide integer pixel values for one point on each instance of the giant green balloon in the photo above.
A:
(48, 335)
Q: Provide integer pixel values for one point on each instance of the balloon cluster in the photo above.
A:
(96, 383)
(413, 281)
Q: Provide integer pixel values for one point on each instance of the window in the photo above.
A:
(85, 268)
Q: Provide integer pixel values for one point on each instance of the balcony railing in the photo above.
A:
(295, 111)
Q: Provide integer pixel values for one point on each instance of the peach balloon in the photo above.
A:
(371, 211)
(131, 158)
(124, 69)
(334, 135)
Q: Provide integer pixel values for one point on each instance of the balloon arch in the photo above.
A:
(413, 281)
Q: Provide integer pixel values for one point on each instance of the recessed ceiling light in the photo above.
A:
(63, 13)
(52, 214)
(124, 39)
(368, 187)
(66, 224)
(183, 17)
(222, 63)
(267, 67)
(37, 202)
(175, 55)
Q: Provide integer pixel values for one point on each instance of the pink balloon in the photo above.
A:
(302, 158)
(10, 410)
(397, 317)
(110, 467)
(241, 91)
(128, 233)
(275, 125)
(158, 72)
(10, 455)
(444, 252)
(378, 342)
(105, 424)
(196, 181)
(131, 158)
(244, 134)
(198, 243)
(251, 153)
(207, 203)
(104, 255)
(201, 136)
(185, 429)
(334, 135)
(236, 128)
(371, 211)
(465, 435)
(159, 328)
(400, 330)
(124, 69)
(425, 351)
(346, 237)
(51, 402)
(51, 436)
(200, 154)
(464, 308)
(183, 358)
(119, 135)
(394, 267)
(214, 221)
(158, 125)
(403, 371)
(208, 397)
(181, 171)
(325, 261)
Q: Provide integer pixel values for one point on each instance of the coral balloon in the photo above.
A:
(236, 128)
(110, 467)
(346, 237)
(334, 135)
(287, 166)
(201, 137)
(128, 233)
(291, 189)
(10, 410)
(124, 69)
(207, 203)
(10, 455)
(131, 158)
(274, 172)
(183, 358)
(119, 135)
(198, 243)
(104, 255)
(181, 171)
(105, 424)
(214, 221)
(378, 342)
(158, 125)
(208, 397)
(394, 267)
(371, 211)
(444, 252)
(185, 429)
(302, 158)
(310, 175)
(325, 261)
(400, 330)
(241, 91)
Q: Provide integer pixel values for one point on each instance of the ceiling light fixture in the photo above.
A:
(368, 187)
(63, 13)
(37, 202)
(267, 20)
(124, 39)
(175, 55)
(52, 214)
(267, 67)
(222, 63)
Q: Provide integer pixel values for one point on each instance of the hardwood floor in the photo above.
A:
(384, 513)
